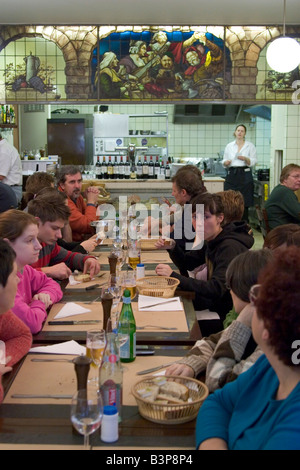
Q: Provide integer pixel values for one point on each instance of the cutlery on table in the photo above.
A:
(81, 301)
(153, 369)
(25, 395)
(155, 326)
(35, 359)
(71, 322)
(158, 303)
(95, 286)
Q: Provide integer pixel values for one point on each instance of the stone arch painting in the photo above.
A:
(46, 63)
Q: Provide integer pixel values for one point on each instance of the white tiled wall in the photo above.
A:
(285, 136)
(190, 142)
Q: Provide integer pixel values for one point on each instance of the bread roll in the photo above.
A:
(82, 278)
(175, 389)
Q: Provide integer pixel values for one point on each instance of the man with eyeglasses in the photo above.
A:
(283, 206)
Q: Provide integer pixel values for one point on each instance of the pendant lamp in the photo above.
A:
(283, 54)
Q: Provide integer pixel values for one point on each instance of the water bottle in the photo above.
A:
(127, 330)
(111, 375)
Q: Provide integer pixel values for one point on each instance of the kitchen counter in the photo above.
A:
(153, 188)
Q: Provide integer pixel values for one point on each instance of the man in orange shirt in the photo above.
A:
(69, 180)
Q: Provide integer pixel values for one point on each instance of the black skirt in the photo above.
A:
(241, 179)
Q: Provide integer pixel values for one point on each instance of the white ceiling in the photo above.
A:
(149, 12)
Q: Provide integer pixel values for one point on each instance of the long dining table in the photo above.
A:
(30, 418)
(183, 324)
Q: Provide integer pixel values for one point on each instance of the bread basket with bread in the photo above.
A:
(169, 400)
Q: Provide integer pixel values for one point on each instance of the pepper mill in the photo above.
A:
(106, 300)
(113, 259)
(82, 368)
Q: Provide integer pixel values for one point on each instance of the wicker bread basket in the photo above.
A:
(157, 286)
(171, 413)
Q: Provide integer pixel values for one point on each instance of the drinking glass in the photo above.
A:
(128, 281)
(87, 412)
(95, 345)
(134, 254)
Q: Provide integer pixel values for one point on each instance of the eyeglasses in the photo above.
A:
(253, 293)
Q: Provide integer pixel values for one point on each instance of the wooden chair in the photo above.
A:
(263, 220)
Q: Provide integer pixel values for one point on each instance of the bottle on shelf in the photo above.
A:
(127, 169)
(98, 168)
(145, 168)
(121, 168)
(151, 169)
(127, 330)
(139, 169)
(168, 169)
(116, 168)
(133, 171)
(156, 168)
(162, 168)
(12, 115)
(110, 169)
(111, 376)
(3, 115)
(104, 168)
(7, 115)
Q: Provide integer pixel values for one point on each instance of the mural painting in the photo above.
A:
(161, 65)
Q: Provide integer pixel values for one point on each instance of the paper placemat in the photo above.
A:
(95, 313)
(155, 257)
(59, 378)
(172, 319)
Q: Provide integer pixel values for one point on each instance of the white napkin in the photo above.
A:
(70, 309)
(68, 347)
(145, 300)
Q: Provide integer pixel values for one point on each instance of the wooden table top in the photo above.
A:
(41, 424)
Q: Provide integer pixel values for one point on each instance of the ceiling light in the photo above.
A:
(283, 54)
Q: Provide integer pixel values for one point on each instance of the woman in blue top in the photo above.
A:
(260, 410)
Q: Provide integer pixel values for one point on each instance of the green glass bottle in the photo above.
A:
(127, 330)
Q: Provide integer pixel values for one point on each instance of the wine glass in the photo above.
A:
(116, 291)
(134, 254)
(95, 345)
(87, 412)
(128, 281)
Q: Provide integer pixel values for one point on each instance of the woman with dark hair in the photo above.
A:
(239, 159)
(219, 244)
(260, 410)
(225, 355)
(283, 236)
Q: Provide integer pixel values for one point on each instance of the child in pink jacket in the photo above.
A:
(15, 337)
(36, 292)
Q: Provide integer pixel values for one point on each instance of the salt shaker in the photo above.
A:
(140, 270)
(110, 424)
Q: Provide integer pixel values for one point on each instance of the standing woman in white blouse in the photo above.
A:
(239, 158)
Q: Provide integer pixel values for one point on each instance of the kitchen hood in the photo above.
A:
(260, 111)
(207, 113)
